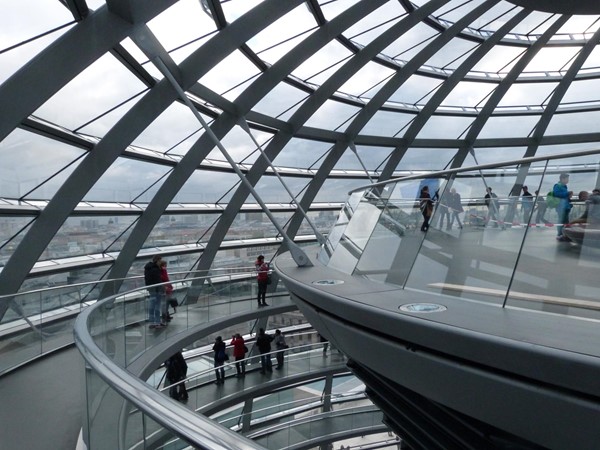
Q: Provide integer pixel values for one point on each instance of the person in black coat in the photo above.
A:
(263, 342)
(220, 357)
(176, 372)
(455, 204)
(426, 207)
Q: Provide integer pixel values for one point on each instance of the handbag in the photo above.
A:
(245, 349)
(222, 356)
(269, 279)
(173, 302)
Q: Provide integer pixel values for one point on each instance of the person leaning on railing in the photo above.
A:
(152, 277)
(239, 354)
(281, 346)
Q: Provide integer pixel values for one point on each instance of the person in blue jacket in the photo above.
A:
(561, 191)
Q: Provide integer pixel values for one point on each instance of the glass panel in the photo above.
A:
(552, 59)
(379, 253)
(577, 292)
(45, 157)
(331, 115)
(336, 190)
(480, 257)
(240, 146)
(255, 225)
(416, 159)
(356, 234)
(333, 9)
(369, 28)
(499, 59)
(84, 235)
(387, 123)
(187, 17)
(468, 94)
(416, 89)
(338, 230)
(279, 100)
(366, 79)
(303, 153)
(585, 122)
(20, 340)
(593, 61)
(519, 126)
(445, 127)
(371, 157)
(297, 21)
(174, 125)
(236, 8)
(452, 54)
(99, 127)
(117, 184)
(99, 417)
(205, 186)
(523, 94)
(318, 68)
(181, 229)
(395, 235)
(77, 103)
(271, 189)
(24, 20)
(490, 155)
(229, 73)
(578, 93)
(13, 228)
(65, 295)
(410, 43)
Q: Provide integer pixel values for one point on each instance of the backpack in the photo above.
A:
(551, 200)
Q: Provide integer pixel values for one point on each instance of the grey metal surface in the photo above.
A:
(516, 369)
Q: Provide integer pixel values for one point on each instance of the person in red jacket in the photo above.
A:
(239, 354)
(164, 277)
(262, 277)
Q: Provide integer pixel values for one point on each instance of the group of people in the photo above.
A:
(527, 206)
(160, 291)
(591, 214)
(263, 343)
(450, 208)
(238, 344)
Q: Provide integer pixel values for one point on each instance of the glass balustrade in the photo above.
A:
(299, 360)
(118, 328)
(40, 321)
(502, 249)
(118, 332)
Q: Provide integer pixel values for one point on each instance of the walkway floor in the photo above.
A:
(41, 404)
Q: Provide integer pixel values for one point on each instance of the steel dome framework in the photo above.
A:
(342, 90)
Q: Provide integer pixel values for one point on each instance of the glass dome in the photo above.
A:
(105, 162)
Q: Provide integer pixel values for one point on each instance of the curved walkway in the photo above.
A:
(42, 403)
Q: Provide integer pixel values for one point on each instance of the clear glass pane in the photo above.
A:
(77, 103)
(45, 157)
(117, 184)
(25, 20)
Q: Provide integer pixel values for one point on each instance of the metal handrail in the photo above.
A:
(134, 277)
(441, 173)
